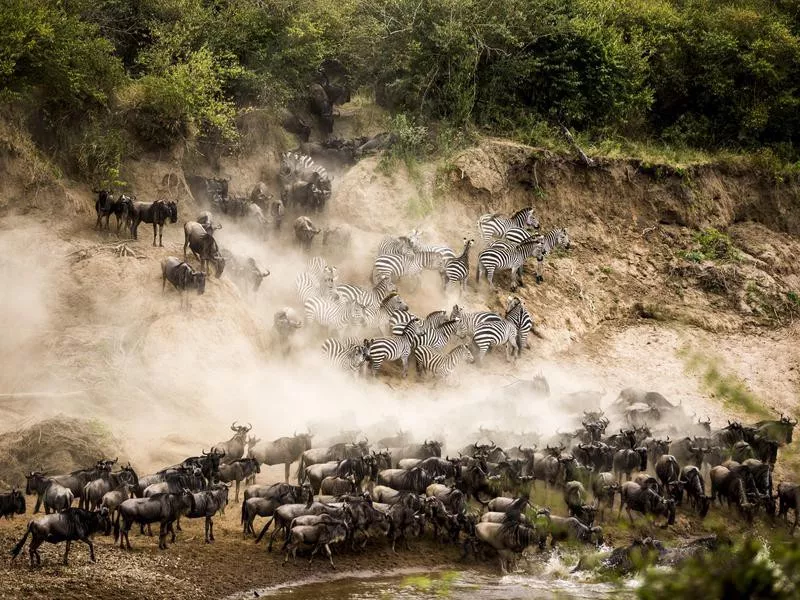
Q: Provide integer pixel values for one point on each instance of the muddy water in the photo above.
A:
(454, 585)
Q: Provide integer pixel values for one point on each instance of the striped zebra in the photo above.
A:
(516, 235)
(434, 319)
(399, 319)
(494, 226)
(348, 354)
(493, 333)
(499, 258)
(438, 337)
(374, 297)
(456, 270)
(440, 364)
(297, 167)
(549, 241)
(332, 314)
(400, 245)
(395, 266)
(394, 348)
(470, 321)
(393, 306)
(519, 316)
(310, 285)
(445, 252)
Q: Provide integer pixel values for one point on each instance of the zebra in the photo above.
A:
(434, 320)
(519, 316)
(296, 167)
(494, 226)
(393, 348)
(332, 314)
(399, 319)
(497, 258)
(400, 245)
(552, 239)
(392, 310)
(470, 321)
(438, 337)
(440, 364)
(492, 333)
(310, 285)
(457, 269)
(373, 297)
(395, 266)
(348, 354)
(445, 252)
(516, 235)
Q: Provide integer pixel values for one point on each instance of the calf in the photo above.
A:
(646, 501)
(238, 471)
(56, 497)
(206, 504)
(604, 488)
(317, 536)
(562, 529)
(788, 494)
(71, 525)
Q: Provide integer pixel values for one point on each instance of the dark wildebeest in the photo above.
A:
(337, 452)
(304, 232)
(339, 486)
(294, 124)
(320, 105)
(182, 277)
(121, 208)
(69, 526)
(423, 450)
(779, 431)
(453, 498)
(156, 213)
(788, 494)
(234, 447)
(695, 489)
(206, 504)
(644, 500)
(260, 195)
(285, 451)
(111, 500)
(508, 539)
(412, 480)
(687, 451)
(12, 503)
(731, 485)
(238, 471)
(562, 529)
(626, 461)
(604, 488)
(318, 536)
(203, 246)
(94, 491)
(262, 500)
(77, 480)
(285, 514)
(669, 474)
(160, 508)
(56, 497)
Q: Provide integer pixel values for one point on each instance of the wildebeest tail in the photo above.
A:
(18, 548)
(116, 526)
(244, 511)
(301, 470)
(264, 530)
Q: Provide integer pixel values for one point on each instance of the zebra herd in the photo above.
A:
(440, 342)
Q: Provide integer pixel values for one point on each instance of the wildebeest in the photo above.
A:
(203, 246)
(94, 491)
(160, 508)
(423, 450)
(206, 219)
(321, 535)
(695, 489)
(111, 500)
(338, 486)
(284, 450)
(320, 105)
(412, 480)
(12, 503)
(604, 488)
(286, 513)
(56, 497)
(337, 238)
(233, 449)
(238, 471)
(644, 500)
(71, 525)
(731, 485)
(262, 500)
(669, 473)
(245, 272)
(121, 208)
(336, 452)
(314, 474)
(206, 504)
(788, 494)
(182, 277)
(687, 450)
(626, 461)
(156, 213)
(562, 529)
(305, 231)
(509, 540)
(779, 431)
(452, 498)
(296, 125)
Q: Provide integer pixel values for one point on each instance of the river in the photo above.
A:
(453, 585)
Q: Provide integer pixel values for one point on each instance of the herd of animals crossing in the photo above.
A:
(374, 325)
(350, 494)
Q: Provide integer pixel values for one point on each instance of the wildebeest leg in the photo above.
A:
(208, 540)
(178, 525)
(630, 516)
(330, 556)
(286, 466)
(66, 553)
(38, 504)
(89, 543)
(155, 231)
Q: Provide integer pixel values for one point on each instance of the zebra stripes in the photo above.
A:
(456, 270)
(393, 348)
(550, 240)
(296, 167)
(348, 354)
(516, 235)
(374, 297)
(494, 226)
(494, 333)
(521, 318)
(440, 364)
(499, 258)
(438, 337)
(470, 321)
(331, 314)
(399, 319)
(395, 266)
(400, 245)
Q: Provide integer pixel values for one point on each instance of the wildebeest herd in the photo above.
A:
(352, 492)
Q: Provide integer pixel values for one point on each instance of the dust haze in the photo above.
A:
(88, 333)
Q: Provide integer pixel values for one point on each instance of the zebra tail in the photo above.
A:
(18, 548)
(478, 271)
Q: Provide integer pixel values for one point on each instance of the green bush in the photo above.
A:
(711, 244)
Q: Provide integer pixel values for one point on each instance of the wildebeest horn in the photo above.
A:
(249, 427)
(204, 453)
(233, 426)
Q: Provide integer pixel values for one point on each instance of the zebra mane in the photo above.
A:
(521, 211)
(388, 298)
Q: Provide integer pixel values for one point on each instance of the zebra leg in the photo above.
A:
(539, 277)
(404, 360)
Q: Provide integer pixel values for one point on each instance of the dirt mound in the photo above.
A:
(58, 445)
